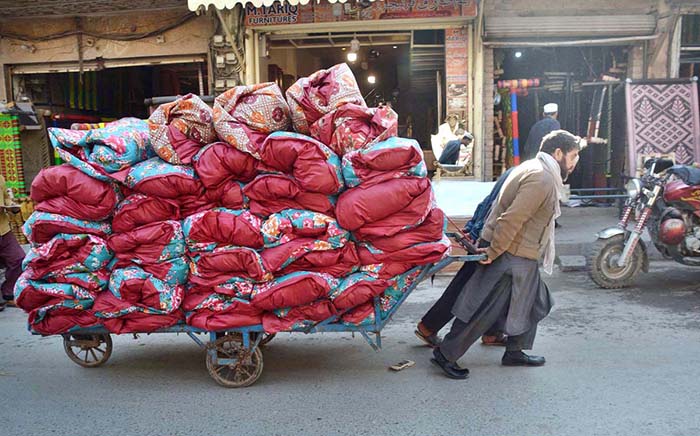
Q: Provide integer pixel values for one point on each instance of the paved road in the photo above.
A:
(619, 363)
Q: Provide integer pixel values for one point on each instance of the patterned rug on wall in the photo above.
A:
(11, 155)
(662, 119)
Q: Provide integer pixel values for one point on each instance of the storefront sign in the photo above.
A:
(456, 70)
(324, 12)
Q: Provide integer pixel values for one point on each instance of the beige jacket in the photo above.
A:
(522, 212)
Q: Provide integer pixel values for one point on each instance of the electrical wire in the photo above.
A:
(111, 36)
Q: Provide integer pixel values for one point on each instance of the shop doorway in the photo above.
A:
(401, 68)
(587, 85)
(106, 94)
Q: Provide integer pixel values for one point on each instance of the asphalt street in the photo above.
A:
(618, 363)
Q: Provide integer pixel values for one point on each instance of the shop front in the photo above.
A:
(414, 56)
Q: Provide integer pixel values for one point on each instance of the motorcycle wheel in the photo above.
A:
(603, 261)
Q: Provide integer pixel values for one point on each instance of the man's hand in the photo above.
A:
(483, 251)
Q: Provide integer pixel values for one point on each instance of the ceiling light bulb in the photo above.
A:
(352, 56)
(396, 46)
(371, 79)
(518, 54)
(355, 44)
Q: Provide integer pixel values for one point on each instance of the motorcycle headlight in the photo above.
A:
(634, 188)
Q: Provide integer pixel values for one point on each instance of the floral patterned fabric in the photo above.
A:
(160, 179)
(290, 224)
(291, 318)
(245, 115)
(313, 165)
(67, 254)
(210, 229)
(119, 316)
(353, 127)
(293, 290)
(214, 312)
(62, 318)
(179, 129)
(310, 98)
(41, 227)
(382, 161)
(100, 153)
(279, 257)
(152, 243)
(272, 193)
(65, 190)
(142, 290)
(34, 294)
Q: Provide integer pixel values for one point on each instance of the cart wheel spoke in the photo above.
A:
(86, 354)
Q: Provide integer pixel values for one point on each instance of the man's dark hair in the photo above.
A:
(560, 139)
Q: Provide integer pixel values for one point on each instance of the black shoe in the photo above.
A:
(451, 370)
(431, 340)
(518, 358)
(2, 306)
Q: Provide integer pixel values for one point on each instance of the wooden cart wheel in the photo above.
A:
(267, 338)
(244, 371)
(88, 351)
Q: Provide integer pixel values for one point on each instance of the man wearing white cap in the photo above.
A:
(539, 130)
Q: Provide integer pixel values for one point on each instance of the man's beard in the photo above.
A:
(564, 170)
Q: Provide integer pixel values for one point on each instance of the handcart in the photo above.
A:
(234, 357)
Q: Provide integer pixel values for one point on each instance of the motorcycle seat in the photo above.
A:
(689, 175)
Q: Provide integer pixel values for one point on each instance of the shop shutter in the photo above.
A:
(499, 28)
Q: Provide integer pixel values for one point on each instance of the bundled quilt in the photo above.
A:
(310, 98)
(41, 227)
(272, 193)
(313, 165)
(382, 161)
(354, 127)
(152, 243)
(65, 190)
(178, 130)
(386, 208)
(139, 209)
(245, 115)
(104, 152)
(214, 311)
(220, 227)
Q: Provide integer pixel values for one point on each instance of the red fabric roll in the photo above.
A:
(271, 193)
(138, 209)
(219, 314)
(310, 98)
(359, 314)
(428, 231)
(420, 254)
(385, 208)
(313, 165)
(151, 243)
(43, 226)
(314, 312)
(219, 162)
(132, 322)
(61, 320)
(360, 293)
(222, 227)
(388, 269)
(245, 115)
(338, 262)
(352, 127)
(179, 129)
(216, 267)
(65, 190)
(60, 253)
(292, 291)
(229, 195)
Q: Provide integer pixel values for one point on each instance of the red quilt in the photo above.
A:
(65, 190)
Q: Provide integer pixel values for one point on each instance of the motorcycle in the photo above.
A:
(666, 201)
